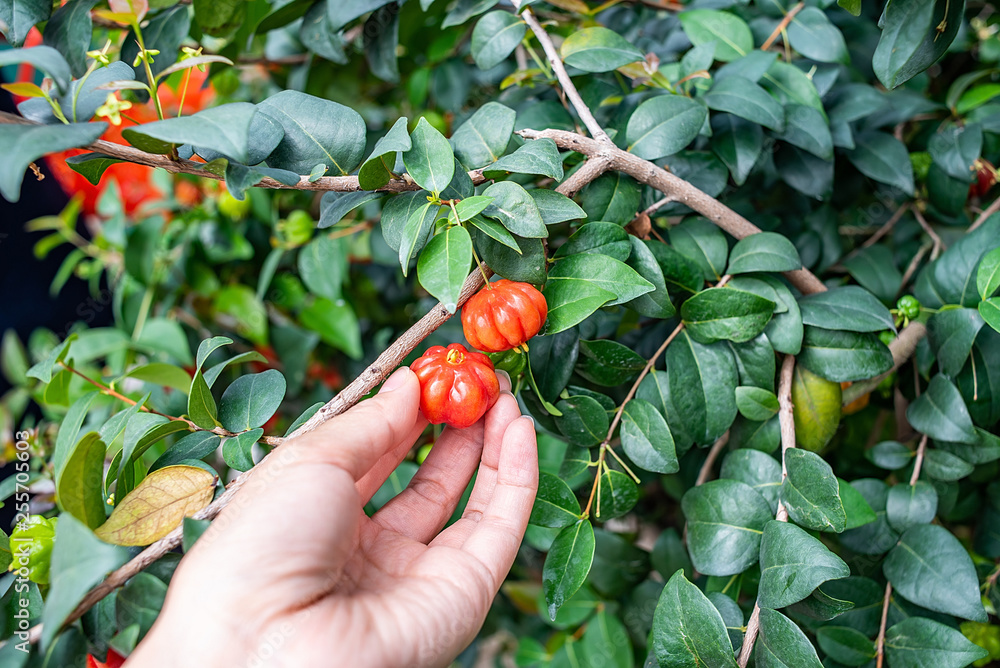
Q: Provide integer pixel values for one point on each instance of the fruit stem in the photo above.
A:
(486, 279)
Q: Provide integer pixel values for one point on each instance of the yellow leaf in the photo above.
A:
(577, 6)
(158, 505)
(816, 404)
(23, 89)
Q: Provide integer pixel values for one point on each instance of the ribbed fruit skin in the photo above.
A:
(457, 386)
(503, 316)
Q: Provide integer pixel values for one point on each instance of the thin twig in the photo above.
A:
(938, 244)
(713, 454)
(582, 110)
(986, 213)
(181, 166)
(880, 640)
(912, 267)
(786, 418)
(889, 224)
(918, 461)
(646, 172)
(781, 26)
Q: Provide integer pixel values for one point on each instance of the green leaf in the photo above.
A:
(540, 157)
(567, 564)
(747, 100)
(613, 197)
(201, 407)
(930, 567)
(946, 466)
(703, 382)
(951, 334)
(164, 31)
(78, 487)
(955, 150)
(495, 231)
(598, 50)
(988, 274)
(737, 142)
(69, 431)
(224, 129)
(663, 125)
(483, 138)
(911, 505)
(793, 564)
(608, 363)
(69, 31)
(323, 266)
(844, 356)
(374, 173)
(495, 37)
(890, 455)
(607, 641)
(883, 158)
(782, 644)
(757, 469)
(91, 165)
(525, 264)
(790, 85)
(557, 354)
(556, 505)
(196, 445)
(655, 304)
(726, 314)
(46, 59)
(849, 308)
(603, 272)
(618, 495)
(646, 438)
(726, 519)
(813, 35)
(417, 231)
(343, 12)
(811, 493)
(989, 311)
(874, 538)
(237, 451)
(79, 561)
(514, 207)
(766, 251)
(241, 303)
(26, 144)
(852, 6)
(444, 265)
(18, 18)
(916, 642)
(940, 412)
(809, 129)
(845, 645)
(688, 630)
(914, 35)
(600, 238)
(556, 207)
(334, 206)
(251, 400)
(859, 513)
(316, 131)
(430, 161)
(756, 404)
(875, 269)
(703, 243)
(463, 11)
(584, 422)
(731, 34)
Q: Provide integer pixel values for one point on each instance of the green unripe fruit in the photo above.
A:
(511, 361)
(886, 337)
(31, 547)
(297, 229)
(908, 307)
(233, 208)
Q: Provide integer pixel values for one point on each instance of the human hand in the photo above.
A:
(293, 573)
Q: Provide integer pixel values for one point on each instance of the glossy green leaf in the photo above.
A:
(941, 413)
(703, 382)
(849, 308)
(782, 644)
(859, 512)
(758, 469)
(515, 208)
(23, 145)
(495, 37)
(844, 356)
(618, 495)
(663, 125)
(951, 334)
(374, 173)
(916, 642)
(20, 17)
(756, 404)
(930, 567)
(599, 238)
(988, 274)
(793, 564)
(430, 161)
(766, 251)
(613, 197)
(914, 35)
(813, 35)
(747, 100)
(646, 438)
(845, 645)
(567, 564)
(602, 272)
(444, 265)
(237, 451)
(608, 363)
(584, 421)
(726, 314)
(811, 493)
(540, 157)
(703, 243)
(483, 138)
(725, 519)
(555, 503)
(78, 487)
(731, 35)
(598, 50)
(688, 630)
(251, 400)
(910, 505)
(884, 158)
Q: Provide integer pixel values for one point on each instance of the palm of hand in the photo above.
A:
(298, 575)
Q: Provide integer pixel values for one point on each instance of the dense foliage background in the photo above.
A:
(859, 136)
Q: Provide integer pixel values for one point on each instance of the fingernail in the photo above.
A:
(529, 419)
(503, 375)
(395, 381)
